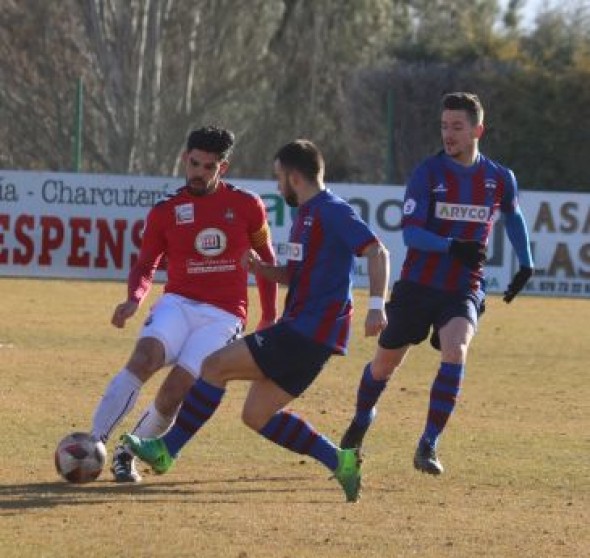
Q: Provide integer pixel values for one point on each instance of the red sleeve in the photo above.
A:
(152, 249)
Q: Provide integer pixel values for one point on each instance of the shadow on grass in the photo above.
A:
(14, 498)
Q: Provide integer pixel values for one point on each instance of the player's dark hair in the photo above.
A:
(302, 155)
(469, 102)
(212, 140)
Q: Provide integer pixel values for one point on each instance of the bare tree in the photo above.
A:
(168, 65)
(41, 56)
(315, 47)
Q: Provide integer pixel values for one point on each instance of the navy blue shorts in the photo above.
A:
(290, 359)
(413, 309)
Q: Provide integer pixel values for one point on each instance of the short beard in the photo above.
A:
(291, 200)
(290, 196)
(205, 191)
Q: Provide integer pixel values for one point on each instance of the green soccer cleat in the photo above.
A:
(348, 473)
(151, 450)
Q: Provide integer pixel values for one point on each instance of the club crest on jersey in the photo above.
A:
(308, 221)
(185, 213)
(210, 242)
(294, 251)
(490, 184)
(439, 189)
(409, 206)
(462, 212)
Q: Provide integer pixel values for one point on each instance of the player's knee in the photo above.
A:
(211, 368)
(147, 357)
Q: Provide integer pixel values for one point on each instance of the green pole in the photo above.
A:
(77, 147)
(389, 169)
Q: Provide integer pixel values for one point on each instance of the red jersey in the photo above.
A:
(203, 239)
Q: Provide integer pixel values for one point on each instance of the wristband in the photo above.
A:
(376, 303)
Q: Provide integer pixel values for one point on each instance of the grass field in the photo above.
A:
(516, 452)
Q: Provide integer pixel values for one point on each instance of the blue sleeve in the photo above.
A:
(417, 198)
(422, 239)
(519, 238)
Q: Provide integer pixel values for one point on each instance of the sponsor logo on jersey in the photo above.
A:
(409, 206)
(294, 251)
(229, 214)
(210, 242)
(308, 221)
(194, 267)
(462, 212)
(490, 184)
(440, 189)
(259, 339)
(185, 213)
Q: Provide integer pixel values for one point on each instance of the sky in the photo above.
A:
(529, 10)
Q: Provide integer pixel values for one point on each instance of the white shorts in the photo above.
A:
(190, 330)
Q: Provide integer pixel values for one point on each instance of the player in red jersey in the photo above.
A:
(282, 361)
(202, 231)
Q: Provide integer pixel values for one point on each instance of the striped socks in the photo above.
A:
(290, 431)
(199, 405)
(368, 393)
(443, 398)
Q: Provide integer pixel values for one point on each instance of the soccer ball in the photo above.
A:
(79, 458)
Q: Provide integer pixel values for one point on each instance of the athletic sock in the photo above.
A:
(443, 398)
(197, 408)
(368, 393)
(115, 404)
(290, 431)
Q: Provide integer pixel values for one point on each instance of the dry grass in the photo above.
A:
(516, 451)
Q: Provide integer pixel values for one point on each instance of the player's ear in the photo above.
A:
(223, 166)
(479, 130)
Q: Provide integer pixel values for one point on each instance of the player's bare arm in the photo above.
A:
(267, 289)
(378, 268)
(254, 264)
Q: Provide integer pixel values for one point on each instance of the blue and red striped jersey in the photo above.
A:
(325, 237)
(454, 201)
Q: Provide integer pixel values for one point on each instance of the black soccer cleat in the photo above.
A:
(123, 466)
(426, 460)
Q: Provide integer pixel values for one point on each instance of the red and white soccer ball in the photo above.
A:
(79, 458)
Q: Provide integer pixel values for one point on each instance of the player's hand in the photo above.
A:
(375, 322)
(471, 253)
(519, 280)
(123, 312)
(249, 260)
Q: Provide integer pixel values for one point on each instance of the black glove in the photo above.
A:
(471, 253)
(519, 280)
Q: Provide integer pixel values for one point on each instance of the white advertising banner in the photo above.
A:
(67, 225)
